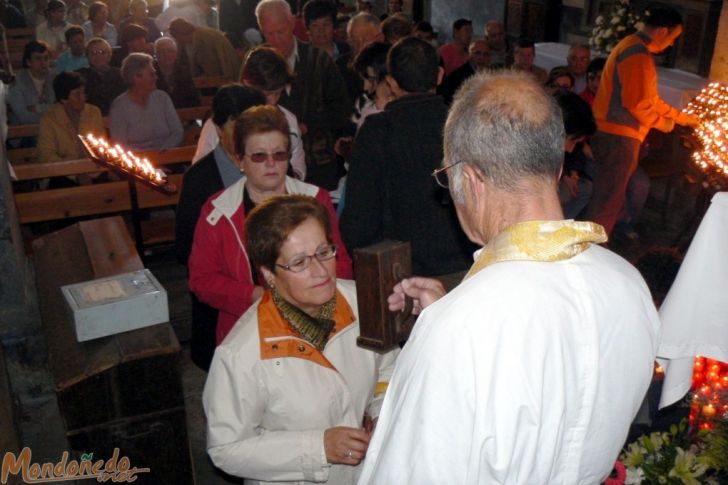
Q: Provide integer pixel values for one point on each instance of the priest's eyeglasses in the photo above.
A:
(261, 157)
(441, 176)
(301, 263)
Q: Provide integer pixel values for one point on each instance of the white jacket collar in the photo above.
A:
(228, 202)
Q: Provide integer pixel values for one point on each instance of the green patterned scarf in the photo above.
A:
(315, 330)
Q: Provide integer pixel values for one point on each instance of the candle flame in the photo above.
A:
(100, 148)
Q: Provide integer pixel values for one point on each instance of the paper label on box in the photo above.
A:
(102, 291)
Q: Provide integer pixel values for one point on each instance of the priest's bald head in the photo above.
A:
(504, 144)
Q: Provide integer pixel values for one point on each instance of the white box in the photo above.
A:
(115, 304)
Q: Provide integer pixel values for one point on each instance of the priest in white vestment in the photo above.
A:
(531, 370)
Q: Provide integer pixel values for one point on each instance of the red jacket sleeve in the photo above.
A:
(343, 261)
(214, 276)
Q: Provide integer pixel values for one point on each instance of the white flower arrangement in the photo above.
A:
(608, 30)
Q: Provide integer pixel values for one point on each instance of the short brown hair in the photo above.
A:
(266, 69)
(257, 120)
(271, 222)
(72, 31)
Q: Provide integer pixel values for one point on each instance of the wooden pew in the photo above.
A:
(211, 82)
(27, 33)
(208, 86)
(99, 199)
(17, 38)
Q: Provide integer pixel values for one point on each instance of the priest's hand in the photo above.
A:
(346, 446)
(423, 291)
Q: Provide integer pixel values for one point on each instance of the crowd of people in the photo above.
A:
(331, 139)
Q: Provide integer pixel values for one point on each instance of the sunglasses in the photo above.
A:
(261, 157)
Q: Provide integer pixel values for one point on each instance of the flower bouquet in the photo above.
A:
(622, 21)
(682, 456)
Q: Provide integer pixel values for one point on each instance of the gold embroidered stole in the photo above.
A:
(539, 241)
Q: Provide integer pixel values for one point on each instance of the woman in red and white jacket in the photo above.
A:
(221, 274)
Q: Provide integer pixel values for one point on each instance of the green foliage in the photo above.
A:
(716, 446)
(679, 457)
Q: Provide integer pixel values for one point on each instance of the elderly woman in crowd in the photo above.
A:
(144, 117)
(267, 71)
(98, 24)
(221, 273)
(173, 77)
(103, 81)
(67, 118)
(290, 395)
(32, 92)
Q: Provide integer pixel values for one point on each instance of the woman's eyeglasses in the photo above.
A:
(441, 177)
(261, 157)
(301, 263)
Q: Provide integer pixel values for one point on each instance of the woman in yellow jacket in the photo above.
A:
(65, 120)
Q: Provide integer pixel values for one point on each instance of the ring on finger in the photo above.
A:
(349, 454)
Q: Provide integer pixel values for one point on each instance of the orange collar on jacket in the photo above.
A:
(278, 339)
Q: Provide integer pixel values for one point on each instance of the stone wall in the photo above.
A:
(18, 313)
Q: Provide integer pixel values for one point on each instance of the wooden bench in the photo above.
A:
(211, 82)
(208, 86)
(17, 38)
(25, 33)
(102, 198)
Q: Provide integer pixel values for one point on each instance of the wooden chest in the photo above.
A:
(123, 391)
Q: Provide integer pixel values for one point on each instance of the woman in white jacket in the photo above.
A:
(290, 397)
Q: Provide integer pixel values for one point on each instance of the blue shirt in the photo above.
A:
(67, 62)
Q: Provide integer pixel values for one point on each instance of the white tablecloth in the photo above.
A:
(676, 87)
(695, 312)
